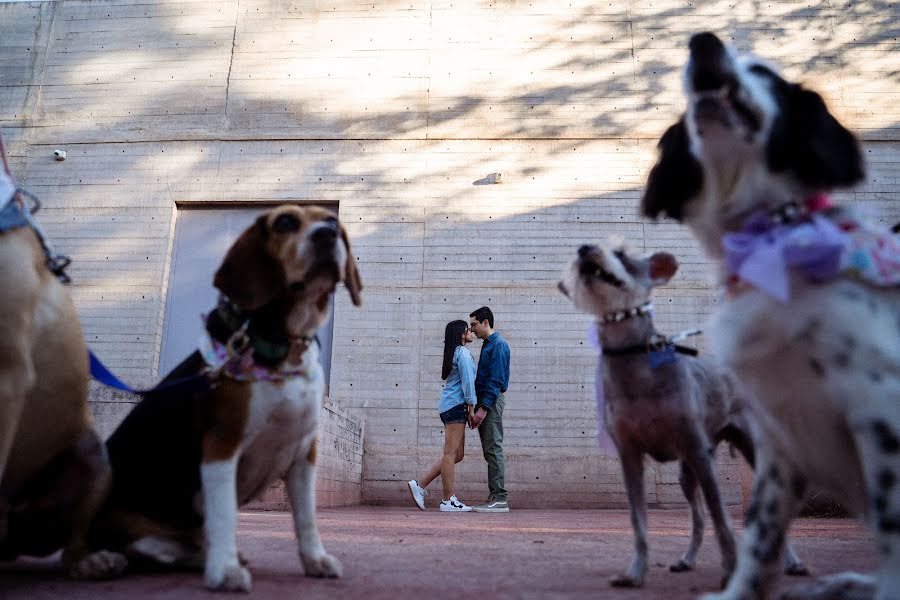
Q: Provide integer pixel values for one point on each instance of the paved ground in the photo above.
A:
(398, 553)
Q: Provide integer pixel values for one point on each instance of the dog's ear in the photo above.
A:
(351, 272)
(675, 178)
(662, 267)
(248, 275)
(808, 141)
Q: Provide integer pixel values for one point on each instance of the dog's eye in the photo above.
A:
(286, 224)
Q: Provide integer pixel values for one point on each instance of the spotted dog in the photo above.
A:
(812, 309)
(658, 398)
(183, 465)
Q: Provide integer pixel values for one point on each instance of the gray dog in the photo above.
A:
(661, 399)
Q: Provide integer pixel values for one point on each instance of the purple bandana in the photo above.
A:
(762, 252)
(607, 446)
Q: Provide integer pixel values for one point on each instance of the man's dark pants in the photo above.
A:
(491, 433)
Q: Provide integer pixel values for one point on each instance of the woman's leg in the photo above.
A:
(453, 437)
(432, 473)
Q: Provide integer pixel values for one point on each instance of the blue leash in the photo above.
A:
(190, 385)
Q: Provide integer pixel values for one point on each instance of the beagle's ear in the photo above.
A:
(675, 178)
(809, 142)
(351, 272)
(248, 275)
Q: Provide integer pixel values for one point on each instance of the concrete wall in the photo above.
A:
(398, 111)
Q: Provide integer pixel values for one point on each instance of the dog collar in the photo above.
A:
(621, 315)
(223, 360)
(229, 326)
(656, 344)
(15, 213)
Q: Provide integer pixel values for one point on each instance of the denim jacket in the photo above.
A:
(459, 386)
(493, 370)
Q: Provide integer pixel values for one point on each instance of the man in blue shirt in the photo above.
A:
(491, 382)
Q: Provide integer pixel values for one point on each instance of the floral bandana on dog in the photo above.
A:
(818, 246)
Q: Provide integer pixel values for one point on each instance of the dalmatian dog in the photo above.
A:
(811, 317)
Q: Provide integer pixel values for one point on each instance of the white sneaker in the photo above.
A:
(418, 493)
(454, 505)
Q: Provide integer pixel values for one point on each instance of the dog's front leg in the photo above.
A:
(223, 569)
(877, 438)
(301, 488)
(776, 493)
(633, 472)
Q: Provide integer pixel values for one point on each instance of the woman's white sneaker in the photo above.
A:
(418, 493)
(454, 505)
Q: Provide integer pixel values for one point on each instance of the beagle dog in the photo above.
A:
(54, 472)
(184, 463)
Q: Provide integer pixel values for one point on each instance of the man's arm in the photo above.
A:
(492, 385)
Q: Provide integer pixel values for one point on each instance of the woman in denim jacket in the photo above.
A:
(456, 407)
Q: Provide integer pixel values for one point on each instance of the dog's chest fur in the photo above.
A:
(282, 424)
(653, 405)
(807, 362)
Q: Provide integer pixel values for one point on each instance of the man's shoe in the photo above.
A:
(454, 505)
(492, 506)
(418, 493)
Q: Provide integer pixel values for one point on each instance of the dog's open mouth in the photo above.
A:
(715, 87)
(724, 107)
(591, 270)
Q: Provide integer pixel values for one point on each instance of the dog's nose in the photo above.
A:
(326, 233)
(585, 250)
(710, 67)
(705, 44)
(562, 288)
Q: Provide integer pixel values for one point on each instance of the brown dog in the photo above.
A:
(54, 472)
(184, 463)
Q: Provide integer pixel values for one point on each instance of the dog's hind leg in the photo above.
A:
(633, 472)
(700, 460)
(688, 482)
(92, 463)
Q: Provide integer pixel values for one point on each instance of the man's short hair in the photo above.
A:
(482, 314)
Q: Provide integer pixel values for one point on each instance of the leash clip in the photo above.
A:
(238, 342)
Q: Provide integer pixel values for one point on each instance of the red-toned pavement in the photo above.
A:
(401, 553)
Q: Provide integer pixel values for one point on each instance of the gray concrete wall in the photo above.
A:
(397, 111)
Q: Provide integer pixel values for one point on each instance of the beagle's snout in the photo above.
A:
(585, 250)
(562, 288)
(325, 234)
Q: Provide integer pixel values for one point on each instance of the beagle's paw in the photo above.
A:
(322, 565)
(102, 564)
(228, 578)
